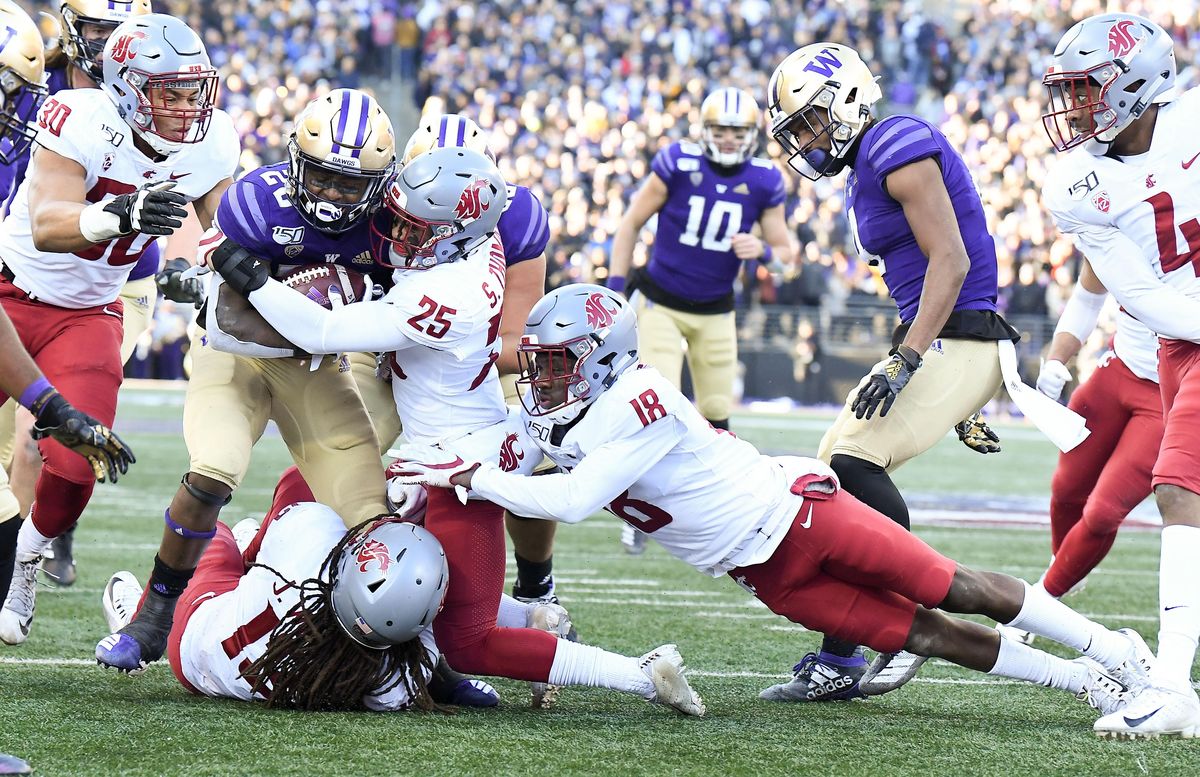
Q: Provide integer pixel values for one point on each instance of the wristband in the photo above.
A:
(616, 283)
(33, 393)
(768, 254)
(98, 225)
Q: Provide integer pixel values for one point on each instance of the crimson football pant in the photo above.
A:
(472, 536)
(1098, 482)
(79, 351)
(1178, 462)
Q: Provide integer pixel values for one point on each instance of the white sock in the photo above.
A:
(513, 614)
(1022, 662)
(1045, 616)
(30, 542)
(1179, 605)
(576, 664)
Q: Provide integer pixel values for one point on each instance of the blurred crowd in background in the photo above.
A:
(578, 97)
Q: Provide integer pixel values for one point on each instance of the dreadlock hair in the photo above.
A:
(311, 663)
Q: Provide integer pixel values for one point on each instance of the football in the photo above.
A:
(328, 284)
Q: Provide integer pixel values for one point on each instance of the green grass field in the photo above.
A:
(67, 717)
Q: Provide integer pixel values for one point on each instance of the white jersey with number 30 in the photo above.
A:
(1137, 220)
(83, 125)
(230, 631)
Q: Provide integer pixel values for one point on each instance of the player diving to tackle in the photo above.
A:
(440, 323)
(624, 437)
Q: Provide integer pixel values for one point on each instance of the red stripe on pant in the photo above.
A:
(220, 569)
(1097, 483)
(473, 537)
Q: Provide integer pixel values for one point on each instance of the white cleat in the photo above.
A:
(664, 667)
(1134, 674)
(890, 671)
(120, 600)
(17, 616)
(1101, 691)
(554, 619)
(1015, 635)
(633, 541)
(1152, 713)
(244, 532)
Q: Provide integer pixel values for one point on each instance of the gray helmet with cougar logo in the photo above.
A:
(578, 340)
(159, 52)
(1107, 70)
(437, 208)
(390, 584)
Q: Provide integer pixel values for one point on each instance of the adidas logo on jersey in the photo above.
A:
(741, 188)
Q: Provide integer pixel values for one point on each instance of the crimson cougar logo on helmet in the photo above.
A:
(1120, 39)
(125, 47)
(373, 550)
(598, 316)
(471, 204)
(510, 455)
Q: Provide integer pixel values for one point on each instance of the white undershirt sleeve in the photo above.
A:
(602, 476)
(1081, 313)
(364, 326)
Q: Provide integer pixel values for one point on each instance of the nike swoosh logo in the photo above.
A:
(177, 176)
(807, 521)
(1188, 163)
(1131, 722)
(1174, 607)
(112, 313)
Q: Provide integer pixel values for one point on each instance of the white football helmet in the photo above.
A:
(443, 130)
(1107, 70)
(821, 90)
(729, 107)
(578, 339)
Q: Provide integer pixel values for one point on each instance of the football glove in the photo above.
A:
(105, 451)
(977, 435)
(243, 272)
(427, 465)
(405, 501)
(177, 288)
(1053, 376)
(152, 210)
(886, 381)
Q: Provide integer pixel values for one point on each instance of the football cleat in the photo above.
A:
(58, 563)
(633, 541)
(1016, 635)
(890, 671)
(473, 692)
(16, 617)
(664, 666)
(821, 678)
(1101, 691)
(1134, 673)
(554, 619)
(132, 648)
(547, 595)
(120, 600)
(244, 532)
(10, 764)
(1151, 713)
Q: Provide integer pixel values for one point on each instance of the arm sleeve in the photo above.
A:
(776, 191)
(1081, 313)
(663, 164)
(242, 217)
(602, 476)
(363, 326)
(524, 227)
(898, 142)
(1118, 263)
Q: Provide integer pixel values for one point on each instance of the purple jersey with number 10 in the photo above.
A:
(882, 230)
(257, 214)
(693, 256)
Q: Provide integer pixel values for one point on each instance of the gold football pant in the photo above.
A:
(139, 297)
(956, 379)
(319, 414)
(711, 352)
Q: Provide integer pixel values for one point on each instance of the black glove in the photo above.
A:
(885, 382)
(178, 289)
(977, 435)
(152, 210)
(243, 272)
(105, 451)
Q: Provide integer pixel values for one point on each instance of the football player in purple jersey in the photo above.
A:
(913, 208)
(708, 196)
(73, 64)
(314, 208)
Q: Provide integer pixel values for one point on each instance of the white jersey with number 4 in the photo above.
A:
(83, 125)
(1137, 220)
(643, 451)
(229, 632)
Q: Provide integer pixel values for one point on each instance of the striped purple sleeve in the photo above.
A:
(241, 216)
(899, 141)
(776, 190)
(524, 227)
(663, 164)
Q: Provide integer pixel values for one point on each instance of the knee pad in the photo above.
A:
(870, 484)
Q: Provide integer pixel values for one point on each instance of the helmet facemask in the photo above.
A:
(333, 198)
(85, 53)
(184, 111)
(744, 150)
(551, 381)
(402, 241)
(802, 135)
(19, 104)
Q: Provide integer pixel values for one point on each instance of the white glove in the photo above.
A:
(1053, 376)
(427, 465)
(406, 502)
